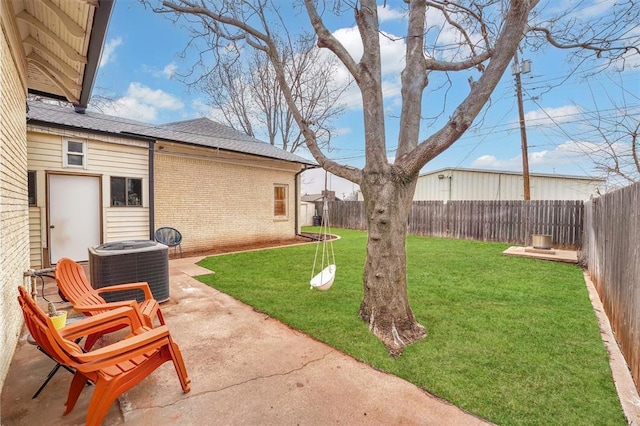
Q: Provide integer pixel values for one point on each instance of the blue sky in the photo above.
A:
(142, 58)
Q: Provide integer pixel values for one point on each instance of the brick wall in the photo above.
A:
(14, 225)
(217, 202)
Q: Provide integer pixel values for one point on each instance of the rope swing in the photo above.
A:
(324, 279)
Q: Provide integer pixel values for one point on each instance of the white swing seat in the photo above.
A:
(324, 279)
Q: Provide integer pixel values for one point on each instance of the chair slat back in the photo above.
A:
(44, 333)
(73, 282)
(115, 369)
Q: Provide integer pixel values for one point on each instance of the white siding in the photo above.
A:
(462, 184)
(105, 158)
(36, 238)
(126, 223)
(307, 211)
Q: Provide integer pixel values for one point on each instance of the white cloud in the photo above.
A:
(552, 116)
(392, 51)
(492, 162)
(387, 13)
(132, 108)
(341, 131)
(169, 70)
(142, 103)
(392, 48)
(156, 97)
(108, 51)
(391, 88)
(595, 9)
(448, 44)
(350, 39)
(200, 107)
(628, 61)
(567, 153)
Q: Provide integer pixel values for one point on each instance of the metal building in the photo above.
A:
(473, 184)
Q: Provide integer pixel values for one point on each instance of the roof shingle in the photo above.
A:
(199, 131)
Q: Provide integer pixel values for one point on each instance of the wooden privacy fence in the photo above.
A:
(611, 250)
(504, 221)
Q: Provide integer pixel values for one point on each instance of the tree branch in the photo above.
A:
(506, 44)
(328, 41)
(599, 49)
(435, 65)
(414, 79)
(192, 8)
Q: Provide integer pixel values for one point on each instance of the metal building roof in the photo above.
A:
(511, 172)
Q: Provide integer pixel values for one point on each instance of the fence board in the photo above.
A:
(504, 221)
(611, 251)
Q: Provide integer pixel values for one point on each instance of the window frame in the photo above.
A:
(126, 191)
(66, 153)
(284, 201)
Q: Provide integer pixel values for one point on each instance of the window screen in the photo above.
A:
(74, 154)
(32, 184)
(126, 191)
(280, 200)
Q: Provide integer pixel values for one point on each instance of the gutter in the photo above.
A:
(152, 190)
(151, 161)
(101, 18)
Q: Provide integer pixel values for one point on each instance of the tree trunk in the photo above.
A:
(385, 305)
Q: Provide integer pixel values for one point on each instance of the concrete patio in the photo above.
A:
(245, 368)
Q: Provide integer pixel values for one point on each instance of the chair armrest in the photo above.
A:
(124, 350)
(125, 316)
(87, 305)
(129, 286)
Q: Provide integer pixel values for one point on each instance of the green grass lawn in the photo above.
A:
(512, 340)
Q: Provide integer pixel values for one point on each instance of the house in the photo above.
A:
(95, 178)
(48, 48)
(309, 207)
(473, 184)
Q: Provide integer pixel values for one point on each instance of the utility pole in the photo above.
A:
(516, 70)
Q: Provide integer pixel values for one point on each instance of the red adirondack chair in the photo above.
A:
(114, 369)
(76, 288)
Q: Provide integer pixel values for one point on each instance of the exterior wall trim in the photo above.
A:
(88, 135)
(230, 160)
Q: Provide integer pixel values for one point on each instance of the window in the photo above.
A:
(74, 154)
(280, 200)
(126, 192)
(31, 185)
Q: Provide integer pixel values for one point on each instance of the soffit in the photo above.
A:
(57, 36)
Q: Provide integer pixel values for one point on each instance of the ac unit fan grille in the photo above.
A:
(112, 267)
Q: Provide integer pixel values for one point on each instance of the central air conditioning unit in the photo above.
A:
(132, 261)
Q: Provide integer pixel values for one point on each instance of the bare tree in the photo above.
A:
(244, 91)
(485, 33)
(620, 148)
(607, 133)
(613, 143)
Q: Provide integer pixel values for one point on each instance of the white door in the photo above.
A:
(74, 216)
